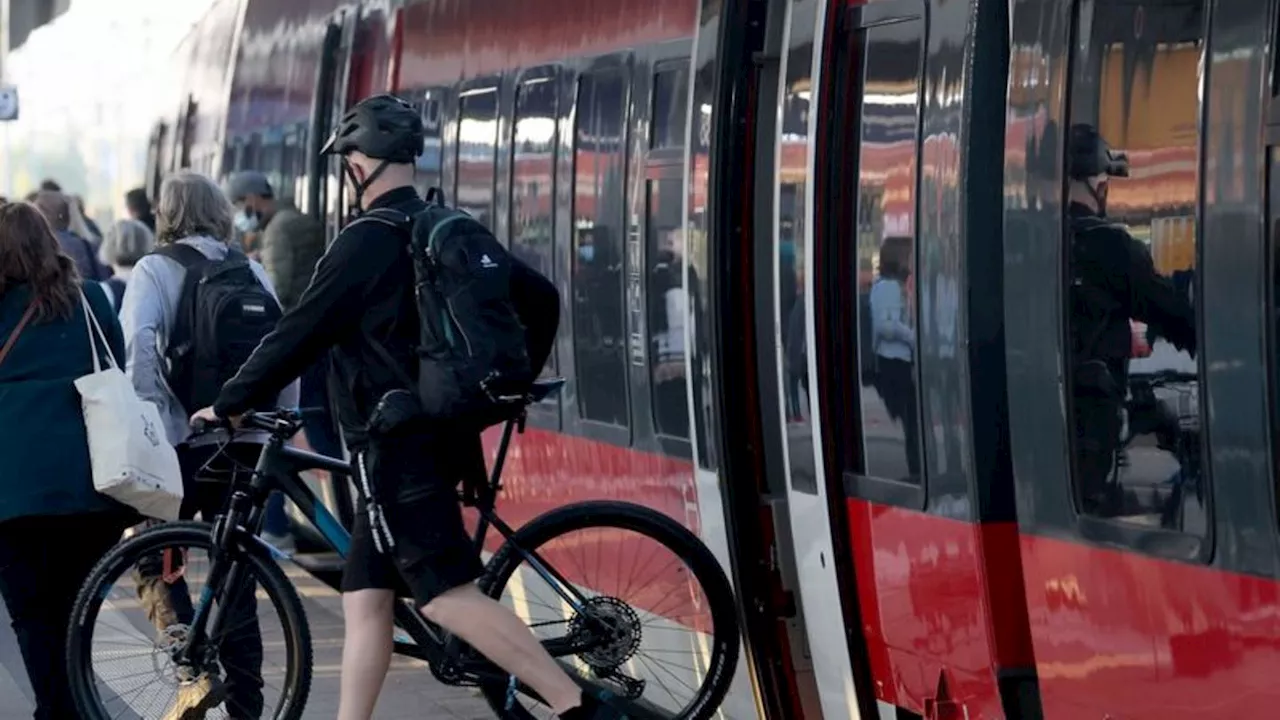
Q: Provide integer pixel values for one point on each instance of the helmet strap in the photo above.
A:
(361, 187)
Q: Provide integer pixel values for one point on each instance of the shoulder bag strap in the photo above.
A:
(13, 336)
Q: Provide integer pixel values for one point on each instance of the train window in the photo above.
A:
(533, 165)
(477, 154)
(883, 69)
(427, 173)
(666, 295)
(1131, 252)
(670, 107)
(533, 175)
(599, 177)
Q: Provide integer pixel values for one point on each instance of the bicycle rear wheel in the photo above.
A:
(134, 608)
(653, 622)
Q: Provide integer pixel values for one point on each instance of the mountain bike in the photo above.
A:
(599, 644)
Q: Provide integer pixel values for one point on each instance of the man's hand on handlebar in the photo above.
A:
(208, 417)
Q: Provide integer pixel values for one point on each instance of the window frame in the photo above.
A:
(478, 86)
(624, 64)
(662, 164)
(1159, 542)
(548, 413)
(845, 140)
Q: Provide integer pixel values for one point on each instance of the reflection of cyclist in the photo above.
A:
(1113, 279)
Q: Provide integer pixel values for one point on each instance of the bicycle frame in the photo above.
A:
(279, 468)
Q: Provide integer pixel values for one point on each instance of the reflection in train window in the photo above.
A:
(668, 306)
(670, 104)
(666, 295)
(533, 183)
(1130, 227)
(884, 262)
(477, 152)
(533, 175)
(427, 167)
(599, 167)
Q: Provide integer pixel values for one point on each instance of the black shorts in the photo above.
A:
(416, 487)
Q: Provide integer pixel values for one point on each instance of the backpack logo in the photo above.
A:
(487, 263)
(254, 308)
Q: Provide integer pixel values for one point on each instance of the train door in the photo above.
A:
(1146, 492)
(902, 504)
(729, 272)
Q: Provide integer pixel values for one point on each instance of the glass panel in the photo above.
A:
(884, 264)
(428, 165)
(533, 175)
(668, 307)
(477, 153)
(670, 105)
(533, 185)
(599, 332)
(1132, 154)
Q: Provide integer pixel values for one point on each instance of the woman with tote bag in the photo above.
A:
(54, 525)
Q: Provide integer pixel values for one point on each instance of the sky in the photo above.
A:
(87, 84)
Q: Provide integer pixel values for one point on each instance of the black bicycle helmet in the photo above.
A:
(1088, 155)
(384, 127)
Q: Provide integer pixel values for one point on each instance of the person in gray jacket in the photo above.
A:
(291, 243)
(193, 211)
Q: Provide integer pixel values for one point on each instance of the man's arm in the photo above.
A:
(1157, 303)
(328, 310)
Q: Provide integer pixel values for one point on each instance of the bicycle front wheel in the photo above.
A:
(135, 610)
(631, 603)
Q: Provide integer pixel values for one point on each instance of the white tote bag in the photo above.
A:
(132, 459)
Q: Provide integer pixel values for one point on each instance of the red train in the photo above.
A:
(717, 187)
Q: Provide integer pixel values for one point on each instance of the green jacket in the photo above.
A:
(44, 451)
(292, 244)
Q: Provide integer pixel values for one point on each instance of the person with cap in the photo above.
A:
(361, 304)
(291, 243)
(1113, 280)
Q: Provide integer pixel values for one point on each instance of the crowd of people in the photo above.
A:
(58, 271)
(352, 306)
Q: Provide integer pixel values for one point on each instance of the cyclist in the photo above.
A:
(360, 305)
(1113, 280)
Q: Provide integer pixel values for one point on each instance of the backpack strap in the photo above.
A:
(386, 216)
(183, 254)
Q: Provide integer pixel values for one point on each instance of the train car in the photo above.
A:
(718, 187)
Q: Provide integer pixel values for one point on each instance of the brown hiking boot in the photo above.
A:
(197, 697)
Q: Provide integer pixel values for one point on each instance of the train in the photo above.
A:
(718, 186)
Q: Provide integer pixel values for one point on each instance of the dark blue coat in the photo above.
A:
(44, 452)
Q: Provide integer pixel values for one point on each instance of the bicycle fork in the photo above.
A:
(226, 578)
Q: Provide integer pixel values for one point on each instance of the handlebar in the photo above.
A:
(282, 424)
(1163, 377)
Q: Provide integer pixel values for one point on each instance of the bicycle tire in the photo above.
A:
(271, 579)
(726, 644)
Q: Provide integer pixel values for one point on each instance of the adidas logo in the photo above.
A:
(486, 262)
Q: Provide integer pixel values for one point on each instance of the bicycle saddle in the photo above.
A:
(545, 388)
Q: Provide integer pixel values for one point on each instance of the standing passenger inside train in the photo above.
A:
(1113, 280)
(893, 340)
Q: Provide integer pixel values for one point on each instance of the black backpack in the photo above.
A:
(224, 312)
(487, 321)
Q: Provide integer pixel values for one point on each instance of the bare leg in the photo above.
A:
(489, 627)
(366, 651)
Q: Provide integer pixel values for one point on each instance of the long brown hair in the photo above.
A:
(30, 255)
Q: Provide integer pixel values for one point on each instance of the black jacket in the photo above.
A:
(1114, 280)
(362, 288)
